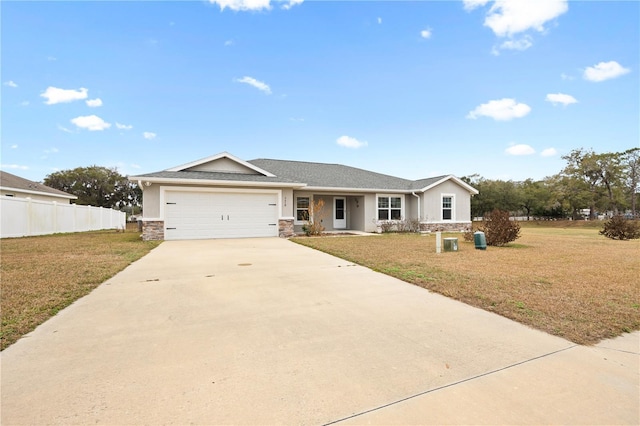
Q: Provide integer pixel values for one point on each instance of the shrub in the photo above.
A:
(619, 228)
(499, 229)
(404, 225)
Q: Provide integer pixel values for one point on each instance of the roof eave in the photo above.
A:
(352, 189)
(48, 194)
(185, 181)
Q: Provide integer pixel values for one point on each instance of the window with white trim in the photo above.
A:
(447, 207)
(389, 208)
(302, 209)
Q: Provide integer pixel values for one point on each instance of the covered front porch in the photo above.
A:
(339, 212)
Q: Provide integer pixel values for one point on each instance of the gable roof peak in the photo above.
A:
(218, 156)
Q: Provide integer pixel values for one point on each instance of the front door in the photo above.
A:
(339, 213)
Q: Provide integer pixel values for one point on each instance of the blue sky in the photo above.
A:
(413, 89)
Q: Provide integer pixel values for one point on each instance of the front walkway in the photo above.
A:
(264, 331)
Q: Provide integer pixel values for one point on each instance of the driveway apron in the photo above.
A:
(264, 331)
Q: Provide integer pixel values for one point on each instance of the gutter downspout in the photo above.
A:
(418, 197)
(140, 185)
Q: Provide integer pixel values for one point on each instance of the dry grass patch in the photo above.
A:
(570, 282)
(42, 275)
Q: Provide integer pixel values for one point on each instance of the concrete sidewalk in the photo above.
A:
(263, 331)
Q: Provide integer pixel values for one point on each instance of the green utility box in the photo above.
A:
(480, 240)
(450, 244)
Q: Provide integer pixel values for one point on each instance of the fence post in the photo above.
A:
(55, 216)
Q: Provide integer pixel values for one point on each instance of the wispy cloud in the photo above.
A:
(55, 95)
(561, 98)
(520, 149)
(549, 152)
(604, 71)
(349, 142)
(91, 123)
(426, 33)
(149, 135)
(289, 4)
(14, 146)
(255, 83)
(123, 126)
(253, 5)
(64, 129)
(379, 20)
(500, 110)
(10, 83)
(14, 167)
(93, 103)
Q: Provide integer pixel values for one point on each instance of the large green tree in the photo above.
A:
(96, 186)
(597, 177)
(630, 162)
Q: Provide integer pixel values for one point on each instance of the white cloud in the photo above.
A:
(500, 110)
(255, 83)
(94, 102)
(566, 77)
(242, 5)
(51, 58)
(379, 20)
(520, 149)
(14, 146)
(549, 152)
(149, 135)
(51, 151)
(135, 166)
(426, 33)
(229, 43)
(24, 103)
(349, 142)
(90, 122)
(123, 126)
(13, 166)
(604, 71)
(10, 83)
(289, 4)
(509, 17)
(561, 98)
(55, 95)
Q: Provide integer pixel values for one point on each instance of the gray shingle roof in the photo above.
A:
(331, 175)
(8, 180)
(315, 175)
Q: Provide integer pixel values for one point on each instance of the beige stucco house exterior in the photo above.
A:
(223, 196)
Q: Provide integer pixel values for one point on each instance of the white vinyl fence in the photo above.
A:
(22, 217)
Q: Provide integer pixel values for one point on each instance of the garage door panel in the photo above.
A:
(201, 215)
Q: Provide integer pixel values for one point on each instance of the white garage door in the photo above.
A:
(200, 215)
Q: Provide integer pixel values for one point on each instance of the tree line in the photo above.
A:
(602, 183)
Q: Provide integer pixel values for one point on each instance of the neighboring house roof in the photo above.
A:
(299, 174)
(10, 182)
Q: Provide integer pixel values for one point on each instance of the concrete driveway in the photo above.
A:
(263, 331)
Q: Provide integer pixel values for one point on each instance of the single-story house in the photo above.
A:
(223, 196)
(15, 186)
